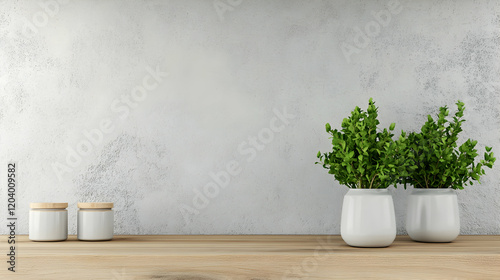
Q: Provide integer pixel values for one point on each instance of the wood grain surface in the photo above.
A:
(96, 205)
(255, 257)
(48, 205)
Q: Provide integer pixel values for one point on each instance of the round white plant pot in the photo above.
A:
(368, 218)
(432, 215)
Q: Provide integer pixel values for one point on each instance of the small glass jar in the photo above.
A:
(48, 221)
(95, 221)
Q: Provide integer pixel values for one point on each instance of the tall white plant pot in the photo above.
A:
(368, 218)
(432, 215)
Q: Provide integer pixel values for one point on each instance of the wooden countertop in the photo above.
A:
(255, 257)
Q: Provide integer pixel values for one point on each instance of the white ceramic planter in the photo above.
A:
(432, 215)
(368, 218)
(48, 222)
(95, 221)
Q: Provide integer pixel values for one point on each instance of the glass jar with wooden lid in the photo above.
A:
(95, 221)
(48, 221)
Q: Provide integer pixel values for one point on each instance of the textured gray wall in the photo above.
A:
(68, 69)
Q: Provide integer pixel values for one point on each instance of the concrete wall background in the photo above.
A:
(67, 69)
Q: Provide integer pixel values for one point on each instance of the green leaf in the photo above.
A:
(328, 127)
(435, 158)
(429, 157)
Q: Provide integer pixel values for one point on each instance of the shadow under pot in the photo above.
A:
(48, 221)
(95, 221)
(432, 215)
(368, 218)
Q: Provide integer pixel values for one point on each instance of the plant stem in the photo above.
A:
(434, 178)
(371, 183)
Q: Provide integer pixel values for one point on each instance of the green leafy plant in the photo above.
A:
(363, 157)
(436, 160)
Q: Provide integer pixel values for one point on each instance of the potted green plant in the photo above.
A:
(440, 167)
(367, 161)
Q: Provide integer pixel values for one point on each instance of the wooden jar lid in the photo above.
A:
(48, 205)
(95, 205)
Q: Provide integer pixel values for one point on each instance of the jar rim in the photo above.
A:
(95, 205)
(359, 189)
(432, 189)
